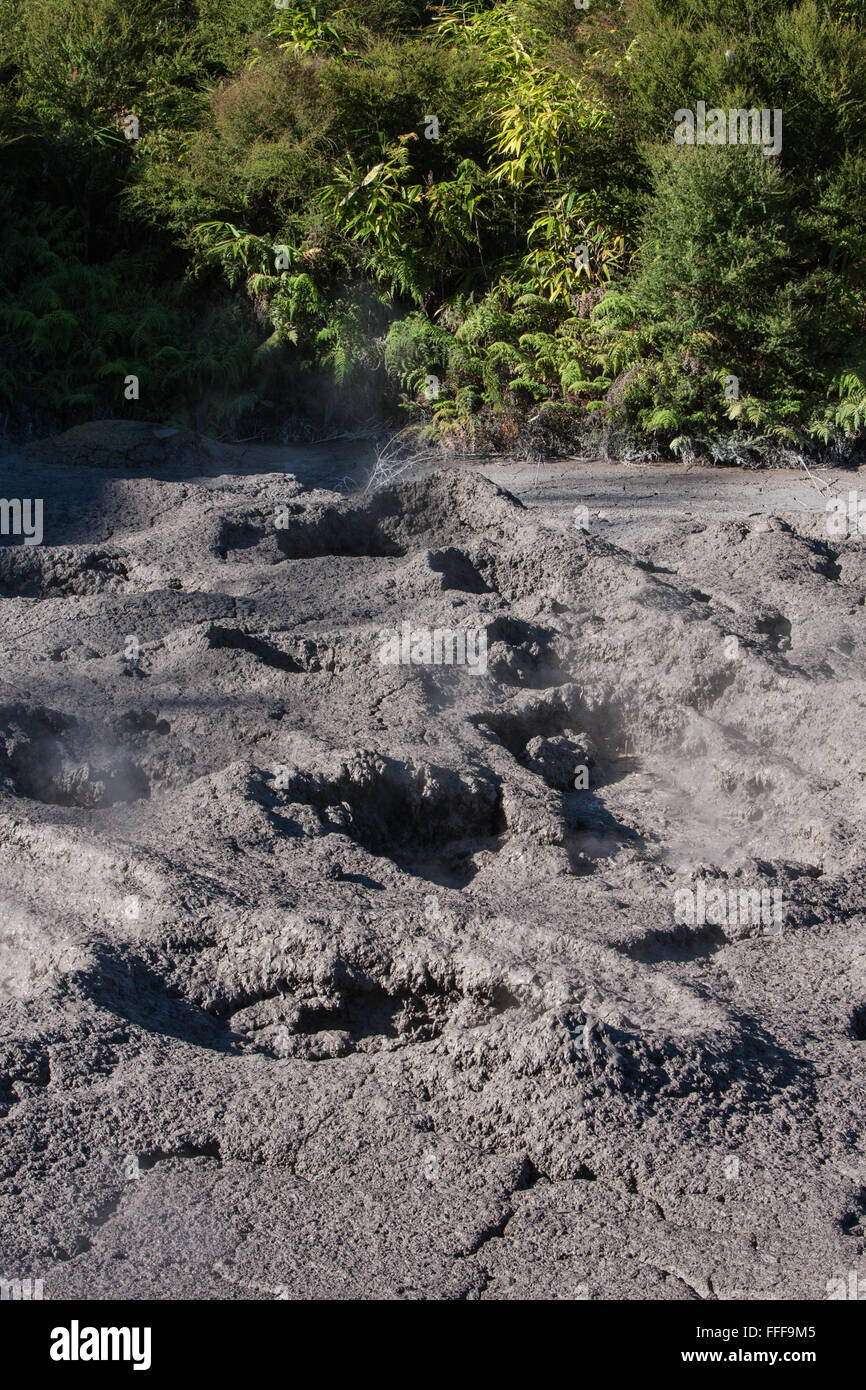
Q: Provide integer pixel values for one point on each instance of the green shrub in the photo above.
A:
(283, 231)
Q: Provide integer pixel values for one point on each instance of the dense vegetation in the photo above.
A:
(271, 215)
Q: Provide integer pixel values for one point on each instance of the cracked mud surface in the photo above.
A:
(320, 977)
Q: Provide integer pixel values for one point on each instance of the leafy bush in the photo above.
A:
(337, 201)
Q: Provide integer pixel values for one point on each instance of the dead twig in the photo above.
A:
(396, 457)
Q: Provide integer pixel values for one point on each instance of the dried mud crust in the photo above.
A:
(369, 974)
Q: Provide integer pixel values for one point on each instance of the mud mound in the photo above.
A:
(133, 444)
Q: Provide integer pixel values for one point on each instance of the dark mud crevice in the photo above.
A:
(527, 1178)
(544, 740)
(458, 571)
(340, 529)
(595, 833)
(454, 867)
(407, 813)
(777, 629)
(235, 639)
(142, 992)
(56, 759)
(681, 944)
(151, 1157)
(27, 1063)
(239, 536)
(853, 1223)
(529, 659)
(144, 721)
(358, 1014)
(34, 572)
(649, 567)
(363, 1020)
(828, 561)
(299, 656)
(603, 736)
(495, 1231)
(515, 729)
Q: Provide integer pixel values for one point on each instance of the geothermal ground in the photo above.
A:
(328, 977)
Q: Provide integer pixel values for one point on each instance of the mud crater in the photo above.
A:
(59, 760)
(409, 813)
(364, 1018)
